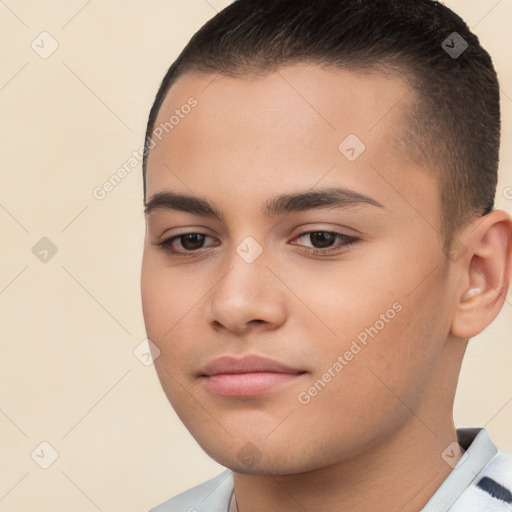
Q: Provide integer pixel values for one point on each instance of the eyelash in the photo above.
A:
(348, 240)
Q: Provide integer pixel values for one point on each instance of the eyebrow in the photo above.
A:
(325, 198)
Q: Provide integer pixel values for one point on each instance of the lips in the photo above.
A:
(248, 376)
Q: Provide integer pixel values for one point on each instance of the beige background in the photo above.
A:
(68, 372)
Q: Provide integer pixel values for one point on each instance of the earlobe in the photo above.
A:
(486, 270)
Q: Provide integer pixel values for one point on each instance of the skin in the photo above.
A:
(373, 437)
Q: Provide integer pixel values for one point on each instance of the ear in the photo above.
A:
(485, 271)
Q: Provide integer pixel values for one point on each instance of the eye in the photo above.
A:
(189, 242)
(322, 241)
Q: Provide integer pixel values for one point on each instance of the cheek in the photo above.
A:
(162, 312)
(172, 305)
(165, 298)
(380, 382)
(402, 358)
(343, 301)
(387, 325)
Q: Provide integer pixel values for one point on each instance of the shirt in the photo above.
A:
(480, 482)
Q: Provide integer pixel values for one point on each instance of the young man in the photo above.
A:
(321, 244)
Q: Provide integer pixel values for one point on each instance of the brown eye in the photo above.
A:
(324, 242)
(191, 241)
(322, 238)
(185, 244)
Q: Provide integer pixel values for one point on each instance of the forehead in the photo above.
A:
(327, 99)
(288, 127)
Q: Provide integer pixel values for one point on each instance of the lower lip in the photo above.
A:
(246, 384)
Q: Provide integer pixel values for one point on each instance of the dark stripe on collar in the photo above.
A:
(495, 489)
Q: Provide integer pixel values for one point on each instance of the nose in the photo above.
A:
(247, 296)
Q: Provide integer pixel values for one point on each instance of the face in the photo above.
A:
(307, 290)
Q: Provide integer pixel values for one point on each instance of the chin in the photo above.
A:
(247, 458)
(262, 467)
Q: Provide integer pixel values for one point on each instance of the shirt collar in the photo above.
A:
(479, 450)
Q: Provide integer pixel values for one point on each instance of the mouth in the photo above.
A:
(246, 377)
